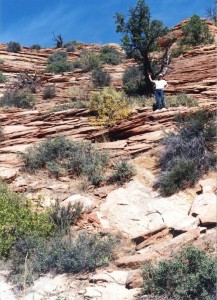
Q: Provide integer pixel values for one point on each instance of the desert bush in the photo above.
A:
(13, 47)
(49, 92)
(90, 62)
(1, 134)
(124, 171)
(196, 32)
(70, 46)
(17, 219)
(188, 153)
(36, 47)
(133, 81)
(100, 78)
(179, 51)
(109, 106)
(78, 104)
(19, 99)
(59, 67)
(76, 158)
(3, 78)
(77, 64)
(109, 55)
(183, 175)
(58, 63)
(1, 61)
(181, 100)
(56, 57)
(65, 216)
(192, 275)
(62, 254)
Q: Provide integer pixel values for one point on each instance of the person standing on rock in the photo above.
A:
(160, 86)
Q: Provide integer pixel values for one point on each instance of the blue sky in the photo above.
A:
(90, 21)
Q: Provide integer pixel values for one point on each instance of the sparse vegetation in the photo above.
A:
(1, 134)
(13, 47)
(65, 216)
(75, 158)
(3, 78)
(17, 219)
(70, 46)
(192, 275)
(58, 63)
(49, 92)
(36, 47)
(109, 55)
(20, 99)
(181, 100)
(196, 32)
(109, 106)
(124, 171)
(188, 154)
(133, 81)
(100, 78)
(62, 254)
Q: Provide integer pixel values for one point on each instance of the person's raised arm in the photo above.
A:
(149, 75)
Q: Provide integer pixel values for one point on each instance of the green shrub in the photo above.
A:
(76, 158)
(196, 32)
(78, 104)
(13, 47)
(110, 55)
(1, 134)
(179, 51)
(56, 57)
(65, 216)
(123, 172)
(192, 275)
(181, 100)
(17, 219)
(36, 47)
(77, 64)
(62, 254)
(90, 62)
(49, 92)
(58, 63)
(100, 78)
(188, 154)
(60, 66)
(70, 46)
(133, 81)
(183, 175)
(109, 106)
(19, 99)
(3, 78)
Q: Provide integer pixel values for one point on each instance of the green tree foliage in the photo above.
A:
(17, 219)
(140, 35)
(13, 47)
(196, 32)
(192, 275)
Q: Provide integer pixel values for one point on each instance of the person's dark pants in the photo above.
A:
(159, 96)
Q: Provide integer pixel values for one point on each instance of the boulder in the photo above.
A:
(204, 206)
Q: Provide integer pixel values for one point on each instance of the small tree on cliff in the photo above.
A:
(140, 35)
(196, 32)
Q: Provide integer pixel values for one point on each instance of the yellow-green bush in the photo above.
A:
(17, 219)
(109, 106)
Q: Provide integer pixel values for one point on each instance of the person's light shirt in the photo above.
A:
(160, 84)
